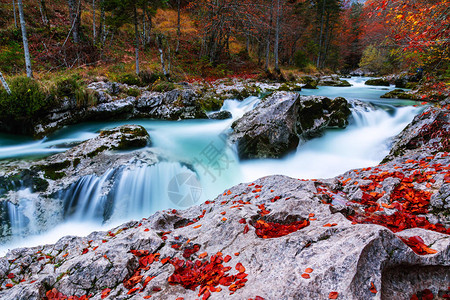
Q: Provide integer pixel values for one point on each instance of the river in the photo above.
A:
(200, 164)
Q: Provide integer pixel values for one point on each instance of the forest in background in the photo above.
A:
(188, 40)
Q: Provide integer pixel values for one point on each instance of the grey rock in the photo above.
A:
(220, 115)
(377, 81)
(275, 126)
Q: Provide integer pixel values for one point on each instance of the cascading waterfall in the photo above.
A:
(138, 190)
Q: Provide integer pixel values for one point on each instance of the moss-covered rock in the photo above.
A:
(309, 82)
(377, 81)
(399, 94)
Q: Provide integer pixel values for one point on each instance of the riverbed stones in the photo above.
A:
(275, 127)
(377, 81)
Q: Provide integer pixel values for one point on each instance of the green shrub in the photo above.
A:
(148, 77)
(67, 86)
(163, 86)
(130, 79)
(133, 92)
(26, 101)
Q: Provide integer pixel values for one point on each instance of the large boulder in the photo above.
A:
(276, 125)
(377, 81)
(333, 80)
(269, 130)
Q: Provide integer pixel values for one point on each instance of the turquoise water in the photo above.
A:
(202, 145)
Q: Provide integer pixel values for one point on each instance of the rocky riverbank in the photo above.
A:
(379, 232)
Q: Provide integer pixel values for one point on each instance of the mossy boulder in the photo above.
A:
(399, 94)
(377, 81)
(309, 82)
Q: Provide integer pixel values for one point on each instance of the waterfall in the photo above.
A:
(119, 194)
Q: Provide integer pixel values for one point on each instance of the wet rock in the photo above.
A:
(275, 126)
(220, 115)
(333, 80)
(377, 81)
(309, 82)
(428, 132)
(270, 130)
(399, 94)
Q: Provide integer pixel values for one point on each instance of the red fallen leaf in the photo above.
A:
(176, 246)
(146, 229)
(147, 280)
(147, 297)
(202, 255)
(306, 276)
(165, 260)
(242, 221)
(198, 226)
(241, 275)
(10, 275)
(227, 258)
(8, 285)
(237, 254)
(206, 295)
(223, 213)
(259, 298)
(156, 289)
(132, 291)
(246, 229)
(95, 248)
(180, 298)
(240, 268)
(229, 192)
(372, 288)
(224, 219)
(105, 293)
(308, 270)
(311, 215)
(333, 295)
(85, 250)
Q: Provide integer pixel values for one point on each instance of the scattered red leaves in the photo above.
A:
(333, 295)
(191, 250)
(267, 230)
(206, 274)
(10, 275)
(54, 294)
(423, 295)
(308, 270)
(306, 275)
(417, 244)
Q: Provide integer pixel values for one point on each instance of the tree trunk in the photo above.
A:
(5, 84)
(266, 67)
(75, 12)
(136, 34)
(93, 20)
(277, 37)
(25, 40)
(159, 42)
(43, 10)
(321, 34)
(101, 37)
(178, 27)
(14, 10)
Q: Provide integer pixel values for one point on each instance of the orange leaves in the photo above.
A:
(330, 225)
(240, 268)
(105, 293)
(224, 219)
(203, 255)
(417, 244)
(197, 226)
(333, 295)
(273, 230)
(308, 270)
(373, 289)
(306, 275)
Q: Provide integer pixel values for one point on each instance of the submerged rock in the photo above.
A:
(275, 127)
